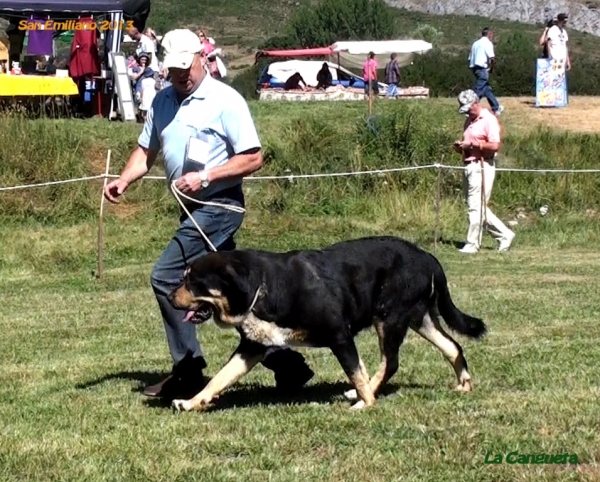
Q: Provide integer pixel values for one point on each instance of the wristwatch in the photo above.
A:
(204, 178)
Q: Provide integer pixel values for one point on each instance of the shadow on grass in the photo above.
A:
(460, 244)
(143, 378)
(252, 394)
(451, 242)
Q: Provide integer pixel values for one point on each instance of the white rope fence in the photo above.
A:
(291, 177)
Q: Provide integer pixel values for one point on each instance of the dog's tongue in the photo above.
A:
(189, 315)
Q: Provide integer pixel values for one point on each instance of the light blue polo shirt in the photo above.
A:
(215, 115)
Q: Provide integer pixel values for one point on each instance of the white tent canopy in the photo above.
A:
(354, 53)
(308, 69)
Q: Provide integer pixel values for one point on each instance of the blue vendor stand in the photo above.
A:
(551, 83)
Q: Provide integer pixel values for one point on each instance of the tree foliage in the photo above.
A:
(335, 20)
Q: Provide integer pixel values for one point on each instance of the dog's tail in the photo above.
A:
(456, 319)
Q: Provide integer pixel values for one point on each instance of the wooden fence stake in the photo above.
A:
(100, 273)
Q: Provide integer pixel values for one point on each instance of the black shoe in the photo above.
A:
(291, 370)
(185, 381)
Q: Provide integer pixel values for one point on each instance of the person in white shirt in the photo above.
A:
(557, 39)
(145, 45)
(481, 63)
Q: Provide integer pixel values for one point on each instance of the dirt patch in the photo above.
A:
(123, 210)
(96, 157)
(582, 114)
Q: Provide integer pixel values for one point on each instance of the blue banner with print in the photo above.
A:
(551, 83)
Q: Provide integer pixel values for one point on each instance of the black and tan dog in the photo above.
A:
(324, 298)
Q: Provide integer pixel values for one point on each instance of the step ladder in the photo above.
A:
(122, 87)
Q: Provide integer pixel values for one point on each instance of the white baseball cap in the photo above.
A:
(179, 47)
(466, 99)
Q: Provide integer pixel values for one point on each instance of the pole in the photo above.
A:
(100, 273)
(438, 189)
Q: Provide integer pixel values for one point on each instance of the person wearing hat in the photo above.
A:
(142, 78)
(209, 143)
(478, 147)
(557, 39)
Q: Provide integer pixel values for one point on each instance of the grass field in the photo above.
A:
(76, 351)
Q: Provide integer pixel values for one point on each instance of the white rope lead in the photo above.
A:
(178, 195)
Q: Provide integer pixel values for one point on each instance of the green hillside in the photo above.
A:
(240, 26)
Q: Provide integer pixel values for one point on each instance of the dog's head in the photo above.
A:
(218, 282)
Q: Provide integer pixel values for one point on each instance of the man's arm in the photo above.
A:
(303, 83)
(491, 56)
(139, 164)
(241, 133)
(544, 37)
(240, 165)
(140, 161)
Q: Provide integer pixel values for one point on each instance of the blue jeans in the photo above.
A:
(483, 88)
(219, 225)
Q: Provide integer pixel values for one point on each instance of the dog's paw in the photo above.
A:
(180, 405)
(351, 395)
(464, 386)
(358, 405)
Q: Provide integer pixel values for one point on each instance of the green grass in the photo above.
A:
(75, 351)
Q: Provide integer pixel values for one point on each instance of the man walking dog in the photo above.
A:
(209, 143)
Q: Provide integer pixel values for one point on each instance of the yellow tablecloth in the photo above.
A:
(36, 85)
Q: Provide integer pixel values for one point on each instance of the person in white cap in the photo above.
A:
(209, 143)
(478, 147)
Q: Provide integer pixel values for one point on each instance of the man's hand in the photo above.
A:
(464, 145)
(189, 183)
(568, 64)
(114, 189)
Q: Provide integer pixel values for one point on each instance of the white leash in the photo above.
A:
(256, 295)
(178, 195)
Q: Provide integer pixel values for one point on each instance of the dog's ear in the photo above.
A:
(238, 280)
